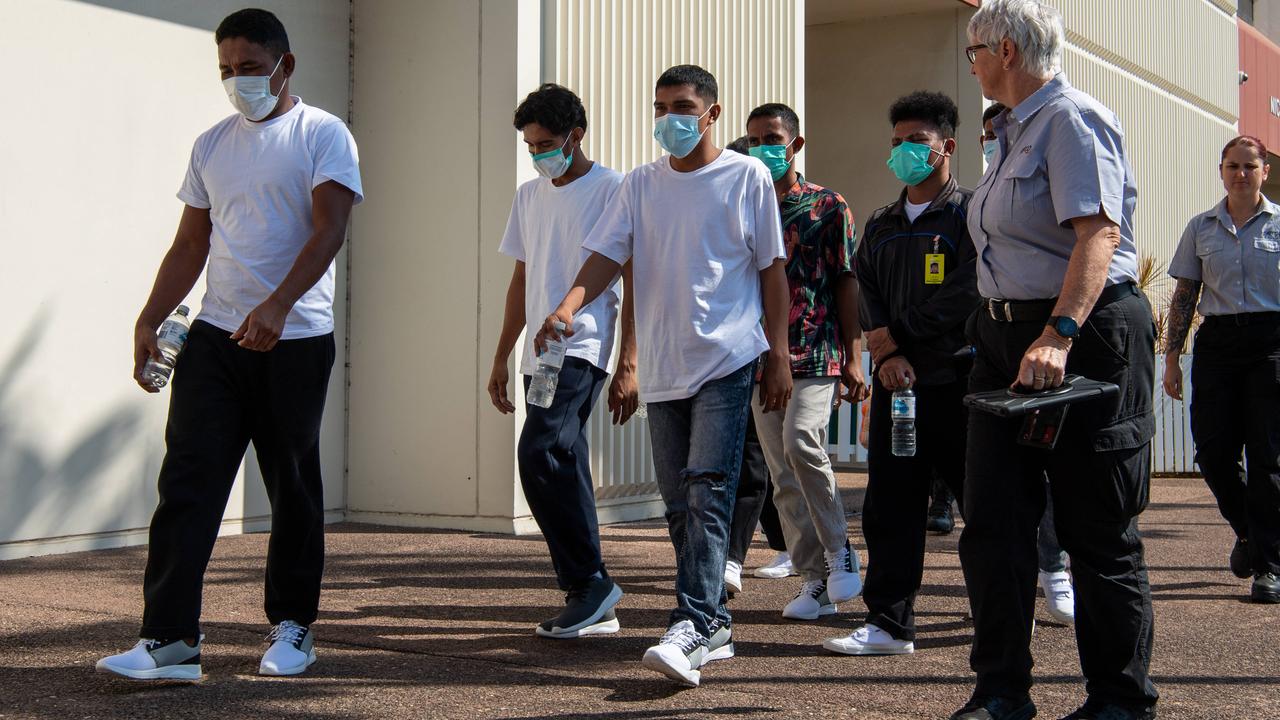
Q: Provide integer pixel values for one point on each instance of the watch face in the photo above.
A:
(1066, 327)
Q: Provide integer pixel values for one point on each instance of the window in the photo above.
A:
(1245, 11)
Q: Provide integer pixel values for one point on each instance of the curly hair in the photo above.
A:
(554, 107)
(932, 108)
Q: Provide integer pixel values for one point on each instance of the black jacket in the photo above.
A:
(927, 321)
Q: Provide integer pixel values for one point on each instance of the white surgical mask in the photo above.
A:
(989, 150)
(553, 164)
(251, 94)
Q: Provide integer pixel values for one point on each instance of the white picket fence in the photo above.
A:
(1172, 450)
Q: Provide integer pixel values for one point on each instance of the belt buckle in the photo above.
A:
(991, 310)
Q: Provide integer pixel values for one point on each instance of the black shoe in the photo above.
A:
(1108, 711)
(941, 521)
(588, 610)
(1266, 588)
(1241, 565)
(996, 708)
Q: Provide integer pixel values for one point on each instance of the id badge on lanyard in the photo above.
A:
(935, 265)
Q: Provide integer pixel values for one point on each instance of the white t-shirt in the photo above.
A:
(545, 231)
(697, 242)
(256, 181)
(914, 210)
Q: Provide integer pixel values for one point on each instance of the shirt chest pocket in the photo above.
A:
(1028, 185)
(1217, 257)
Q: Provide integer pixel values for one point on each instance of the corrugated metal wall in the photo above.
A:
(611, 52)
(1171, 77)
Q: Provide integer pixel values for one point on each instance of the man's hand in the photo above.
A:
(775, 383)
(498, 378)
(624, 395)
(1172, 376)
(881, 344)
(1045, 363)
(262, 328)
(854, 381)
(896, 373)
(549, 329)
(144, 348)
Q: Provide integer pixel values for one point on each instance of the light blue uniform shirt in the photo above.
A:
(1061, 157)
(1240, 268)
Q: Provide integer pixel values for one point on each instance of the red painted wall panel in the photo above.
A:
(1260, 58)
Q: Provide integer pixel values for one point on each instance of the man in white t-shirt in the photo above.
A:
(700, 227)
(268, 194)
(550, 217)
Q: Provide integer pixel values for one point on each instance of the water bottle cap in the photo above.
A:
(183, 310)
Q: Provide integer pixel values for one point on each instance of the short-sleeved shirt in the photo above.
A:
(1061, 157)
(697, 242)
(256, 179)
(820, 237)
(1240, 267)
(545, 231)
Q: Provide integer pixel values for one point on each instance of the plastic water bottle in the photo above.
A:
(171, 338)
(642, 411)
(542, 390)
(903, 412)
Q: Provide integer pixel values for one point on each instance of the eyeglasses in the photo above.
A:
(971, 52)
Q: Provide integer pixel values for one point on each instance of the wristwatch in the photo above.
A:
(1064, 326)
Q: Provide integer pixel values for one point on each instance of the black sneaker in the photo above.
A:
(1266, 588)
(941, 521)
(1241, 565)
(996, 708)
(588, 610)
(1108, 711)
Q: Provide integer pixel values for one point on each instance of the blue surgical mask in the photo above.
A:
(678, 134)
(774, 157)
(910, 162)
(989, 150)
(553, 163)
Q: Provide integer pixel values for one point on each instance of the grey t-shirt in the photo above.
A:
(1061, 157)
(1240, 267)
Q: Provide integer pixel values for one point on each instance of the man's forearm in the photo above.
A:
(1096, 244)
(847, 299)
(178, 273)
(513, 319)
(777, 307)
(1182, 308)
(311, 265)
(628, 354)
(594, 277)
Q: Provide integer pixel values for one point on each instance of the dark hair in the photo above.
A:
(259, 27)
(933, 108)
(1248, 141)
(740, 146)
(554, 107)
(992, 111)
(789, 119)
(703, 82)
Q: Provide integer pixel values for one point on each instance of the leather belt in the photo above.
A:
(1256, 318)
(1013, 311)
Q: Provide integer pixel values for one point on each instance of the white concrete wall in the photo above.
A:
(855, 71)
(104, 100)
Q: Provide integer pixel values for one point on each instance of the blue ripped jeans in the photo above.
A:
(697, 454)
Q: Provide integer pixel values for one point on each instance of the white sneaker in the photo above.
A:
(810, 603)
(733, 576)
(720, 644)
(869, 640)
(1059, 596)
(155, 660)
(679, 654)
(843, 581)
(292, 650)
(779, 567)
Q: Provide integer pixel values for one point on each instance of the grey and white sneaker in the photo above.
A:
(292, 650)
(810, 603)
(720, 644)
(153, 659)
(588, 610)
(779, 567)
(679, 654)
(869, 639)
(843, 581)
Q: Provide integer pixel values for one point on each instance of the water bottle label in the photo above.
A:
(172, 333)
(554, 355)
(904, 408)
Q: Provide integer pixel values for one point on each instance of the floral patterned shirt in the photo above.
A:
(820, 237)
